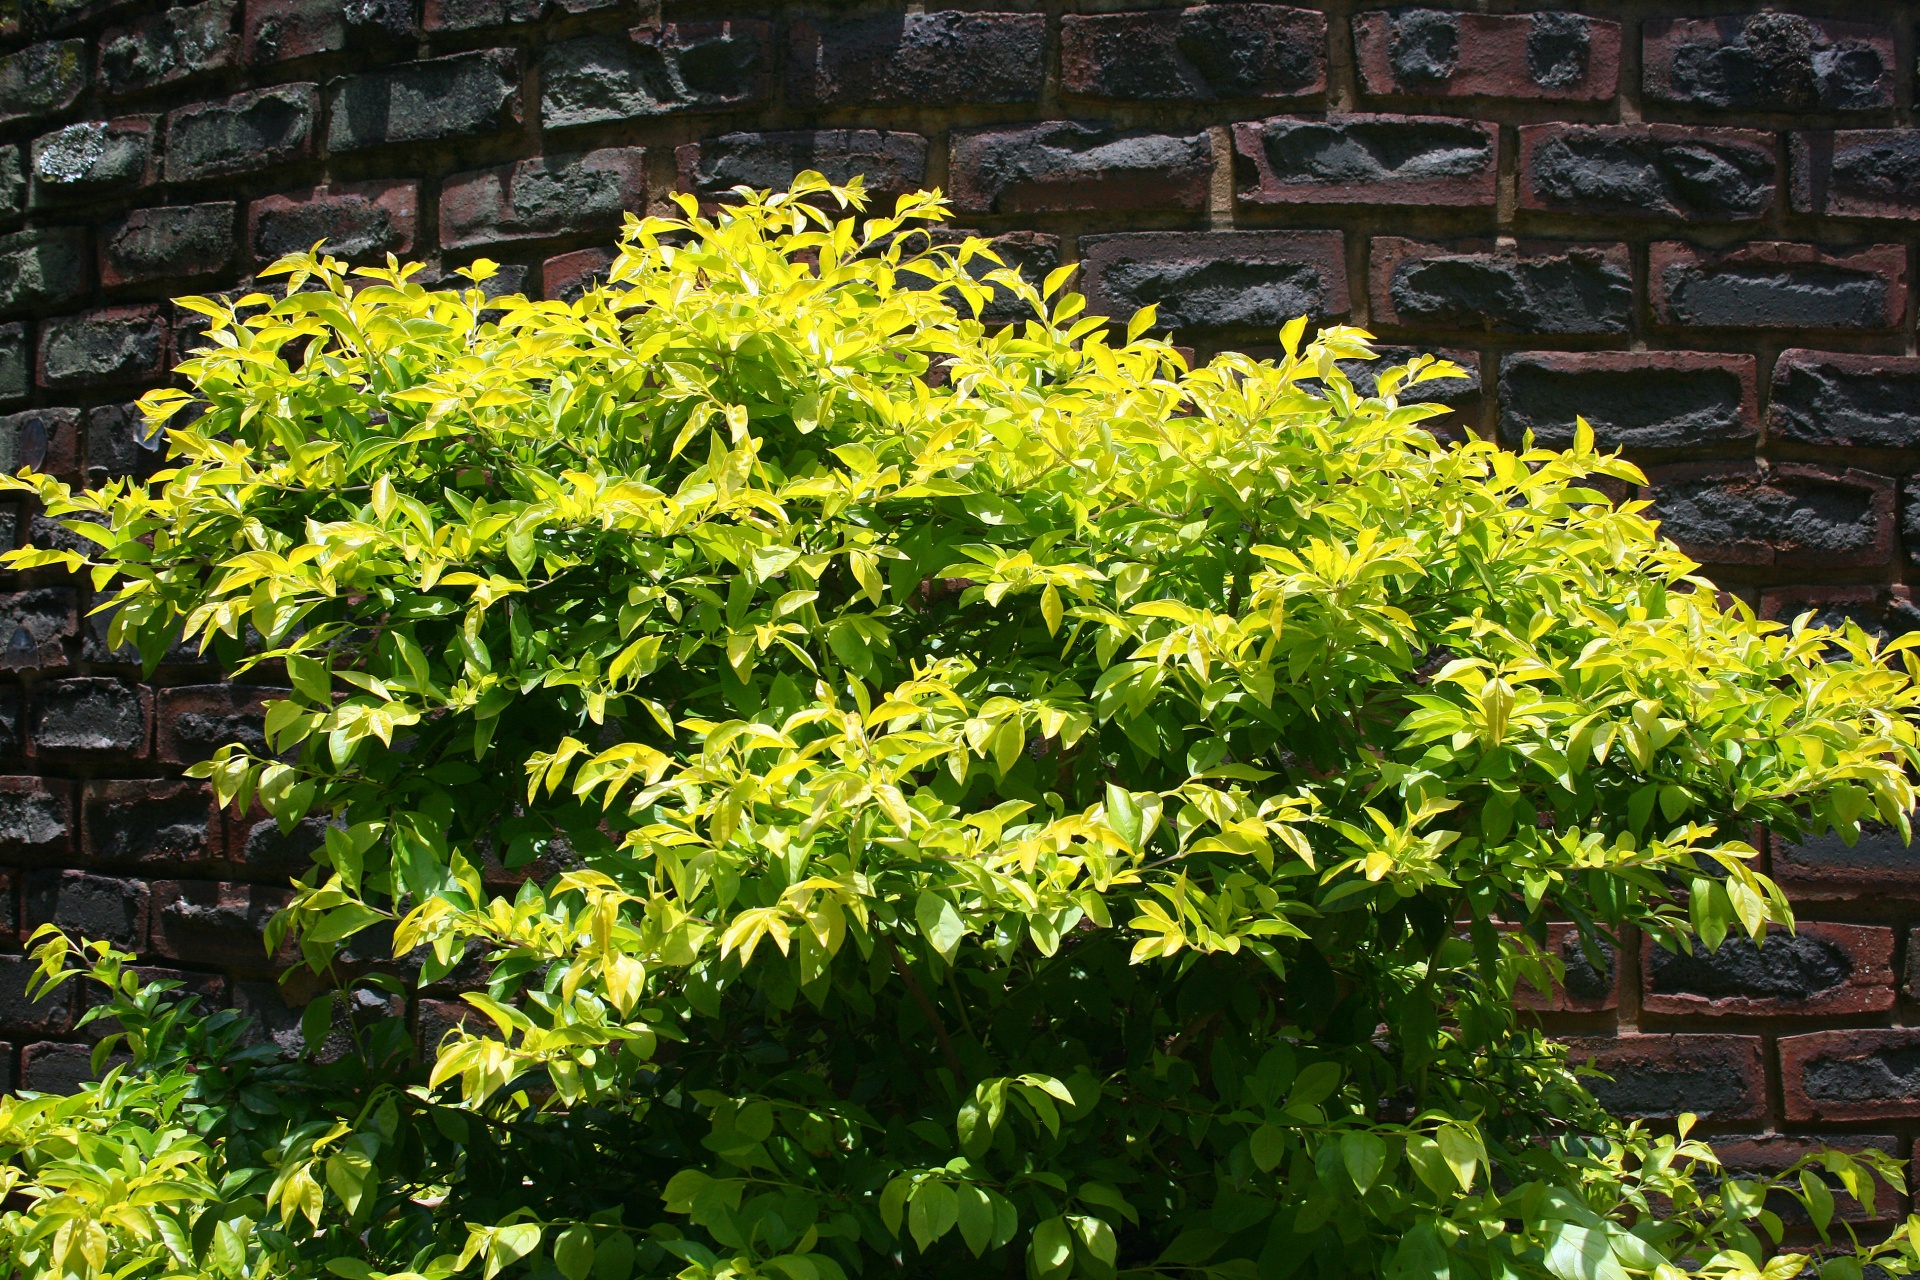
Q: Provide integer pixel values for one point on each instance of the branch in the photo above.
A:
(926, 1007)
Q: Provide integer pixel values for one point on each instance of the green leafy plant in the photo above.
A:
(992, 802)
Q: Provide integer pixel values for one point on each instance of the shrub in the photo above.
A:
(988, 800)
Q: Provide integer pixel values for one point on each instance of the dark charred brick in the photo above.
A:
(1823, 397)
(466, 95)
(1786, 516)
(167, 47)
(1883, 612)
(51, 1015)
(42, 79)
(1217, 279)
(260, 850)
(114, 344)
(357, 220)
(119, 444)
(892, 163)
(1850, 1075)
(59, 535)
(1031, 253)
(675, 67)
(45, 439)
(918, 58)
(178, 242)
(1879, 863)
(1768, 62)
(43, 268)
(13, 720)
(1817, 969)
(93, 158)
(1452, 392)
(1717, 1078)
(473, 15)
(1203, 54)
(1648, 171)
(1770, 285)
(548, 196)
(566, 277)
(1632, 399)
(1365, 159)
(105, 908)
(1536, 288)
(36, 821)
(35, 627)
(60, 1068)
(216, 922)
(1566, 57)
(16, 362)
(1063, 166)
(194, 721)
(248, 131)
(1587, 988)
(153, 825)
(1857, 173)
(91, 716)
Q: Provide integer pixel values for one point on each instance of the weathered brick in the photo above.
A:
(1534, 287)
(1768, 62)
(248, 131)
(13, 720)
(36, 626)
(357, 220)
(13, 183)
(1879, 863)
(1772, 285)
(16, 362)
(45, 267)
(51, 1015)
(58, 1068)
(677, 66)
(1818, 969)
(1789, 517)
(1769, 1156)
(45, 439)
(216, 922)
(1366, 159)
(42, 79)
(1457, 393)
(113, 344)
(472, 15)
(1632, 399)
(55, 16)
(36, 822)
(567, 276)
(1881, 611)
(547, 196)
(466, 95)
(1206, 53)
(1062, 166)
(167, 47)
(1850, 1075)
(152, 825)
(1587, 988)
(892, 163)
(1824, 397)
(94, 158)
(119, 444)
(90, 716)
(280, 30)
(178, 242)
(106, 908)
(920, 58)
(1217, 279)
(258, 850)
(1857, 173)
(1554, 56)
(194, 721)
(1647, 171)
(1660, 1076)
(376, 20)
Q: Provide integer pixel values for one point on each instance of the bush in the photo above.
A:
(989, 800)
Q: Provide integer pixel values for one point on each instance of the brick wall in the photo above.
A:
(1695, 225)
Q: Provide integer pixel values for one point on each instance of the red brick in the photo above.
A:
(111, 345)
(1788, 516)
(1631, 399)
(1585, 989)
(565, 277)
(893, 163)
(1716, 1077)
(281, 30)
(1768, 1156)
(1833, 398)
(217, 923)
(1062, 166)
(1851, 1075)
(1212, 52)
(1533, 287)
(1775, 285)
(1768, 62)
(37, 824)
(1367, 159)
(1819, 969)
(151, 824)
(1647, 171)
(1879, 865)
(359, 221)
(45, 439)
(87, 906)
(1857, 173)
(471, 15)
(1217, 279)
(1553, 56)
(536, 199)
(920, 59)
(433, 1020)
(193, 721)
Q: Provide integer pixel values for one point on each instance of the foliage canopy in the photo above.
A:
(994, 800)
